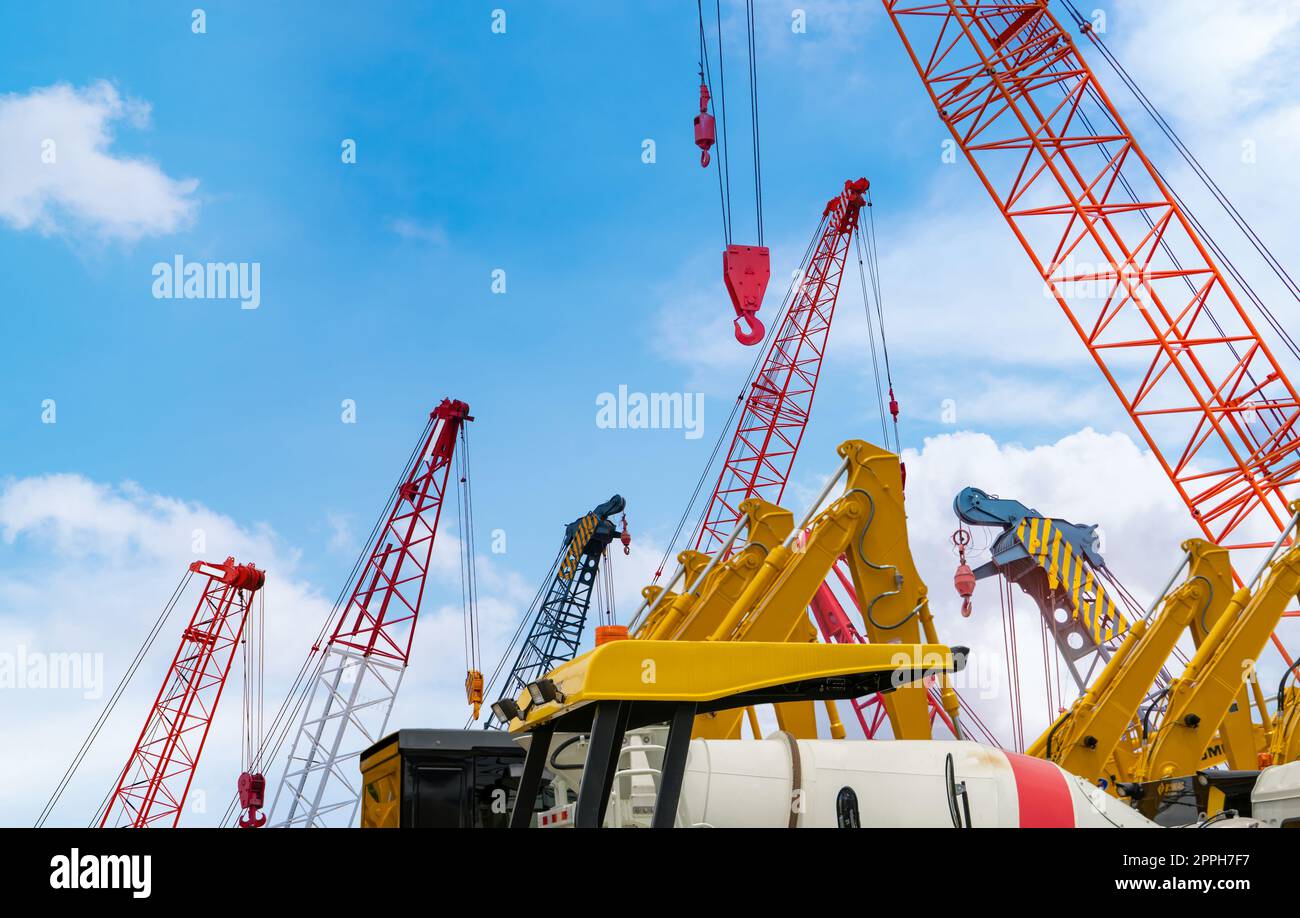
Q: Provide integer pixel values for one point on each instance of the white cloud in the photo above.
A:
(1221, 58)
(342, 538)
(416, 231)
(60, 175)
(88, 567)
(1087, 478)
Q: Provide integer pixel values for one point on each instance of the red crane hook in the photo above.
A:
(746, 269)
(252, 797)
(964, 579)
(625, 537)
(705, 130)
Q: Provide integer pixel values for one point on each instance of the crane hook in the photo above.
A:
(252, 820)
(705, 130)
(252, 797)
(746, 270)
(754, 329)
(963, 579)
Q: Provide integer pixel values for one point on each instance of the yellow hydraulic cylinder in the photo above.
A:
(1238, 739)
(1285, 746)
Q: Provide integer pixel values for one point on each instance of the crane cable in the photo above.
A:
(1011, 652)
(468, 573)
(753, 116)
(1210, 184)
(253, 660)
(111, 703)
(1215, 191)
(706, 75)
(879, 320)
(607, 586)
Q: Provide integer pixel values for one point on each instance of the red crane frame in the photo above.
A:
(360, 669)
(371, 623)
(1118, 254)
(156, 779)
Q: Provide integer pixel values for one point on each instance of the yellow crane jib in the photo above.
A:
(1199, 699)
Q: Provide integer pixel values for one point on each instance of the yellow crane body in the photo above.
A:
(762, 591)
(1201, 697)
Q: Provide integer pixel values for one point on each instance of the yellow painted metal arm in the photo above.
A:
(1084, 739)
(695, 613)
(1239, 738)
(715, 674)
(1200, 698)
(1285, 746)
(892, 598)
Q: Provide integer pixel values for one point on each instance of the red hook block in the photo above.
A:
(746, 269)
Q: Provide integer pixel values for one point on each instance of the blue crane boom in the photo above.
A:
(557, 625)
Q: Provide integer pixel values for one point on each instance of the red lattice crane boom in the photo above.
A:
(776, 411)
(152, 788)
(1120, 256)
(361, 667)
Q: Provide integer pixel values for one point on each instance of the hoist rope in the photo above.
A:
(111, 703)
(873, 264)
(468, 572)
(753, 115)
(706, 73)
(607, 584)
(720, 105)
(871, 339)
(1011, 650)
(1210, 184)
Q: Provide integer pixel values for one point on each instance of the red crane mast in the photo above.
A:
(360, 670)
(152, 788)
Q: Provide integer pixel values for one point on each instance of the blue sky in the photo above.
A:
(522, 152)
